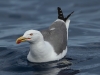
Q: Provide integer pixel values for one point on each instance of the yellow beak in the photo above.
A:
(20, 39)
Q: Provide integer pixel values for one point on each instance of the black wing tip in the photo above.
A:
(68, 16)
(58, 8)
(72, 12)
(60, 14)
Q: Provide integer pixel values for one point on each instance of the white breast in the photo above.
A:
(44, 53)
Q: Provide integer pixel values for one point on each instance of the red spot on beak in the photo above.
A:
(18, 42)
(20, 39)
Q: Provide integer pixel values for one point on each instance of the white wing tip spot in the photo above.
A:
(52, 29)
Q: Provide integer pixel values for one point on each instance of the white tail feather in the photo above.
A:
(67, 26)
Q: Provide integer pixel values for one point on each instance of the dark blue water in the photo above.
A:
(17, 16)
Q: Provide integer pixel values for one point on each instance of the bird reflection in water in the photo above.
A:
(61, 67)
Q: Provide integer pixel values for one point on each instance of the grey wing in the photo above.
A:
(56, 35)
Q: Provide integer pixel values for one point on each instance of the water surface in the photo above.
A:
(83, 45)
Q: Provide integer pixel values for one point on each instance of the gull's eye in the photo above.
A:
(31, 34)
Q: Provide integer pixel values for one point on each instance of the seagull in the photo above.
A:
(48, 44)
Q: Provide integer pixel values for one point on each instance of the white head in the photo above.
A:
(30, 36)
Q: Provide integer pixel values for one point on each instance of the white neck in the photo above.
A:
(37, 47)
(39, 51)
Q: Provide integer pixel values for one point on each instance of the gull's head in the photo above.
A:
(30, 36)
